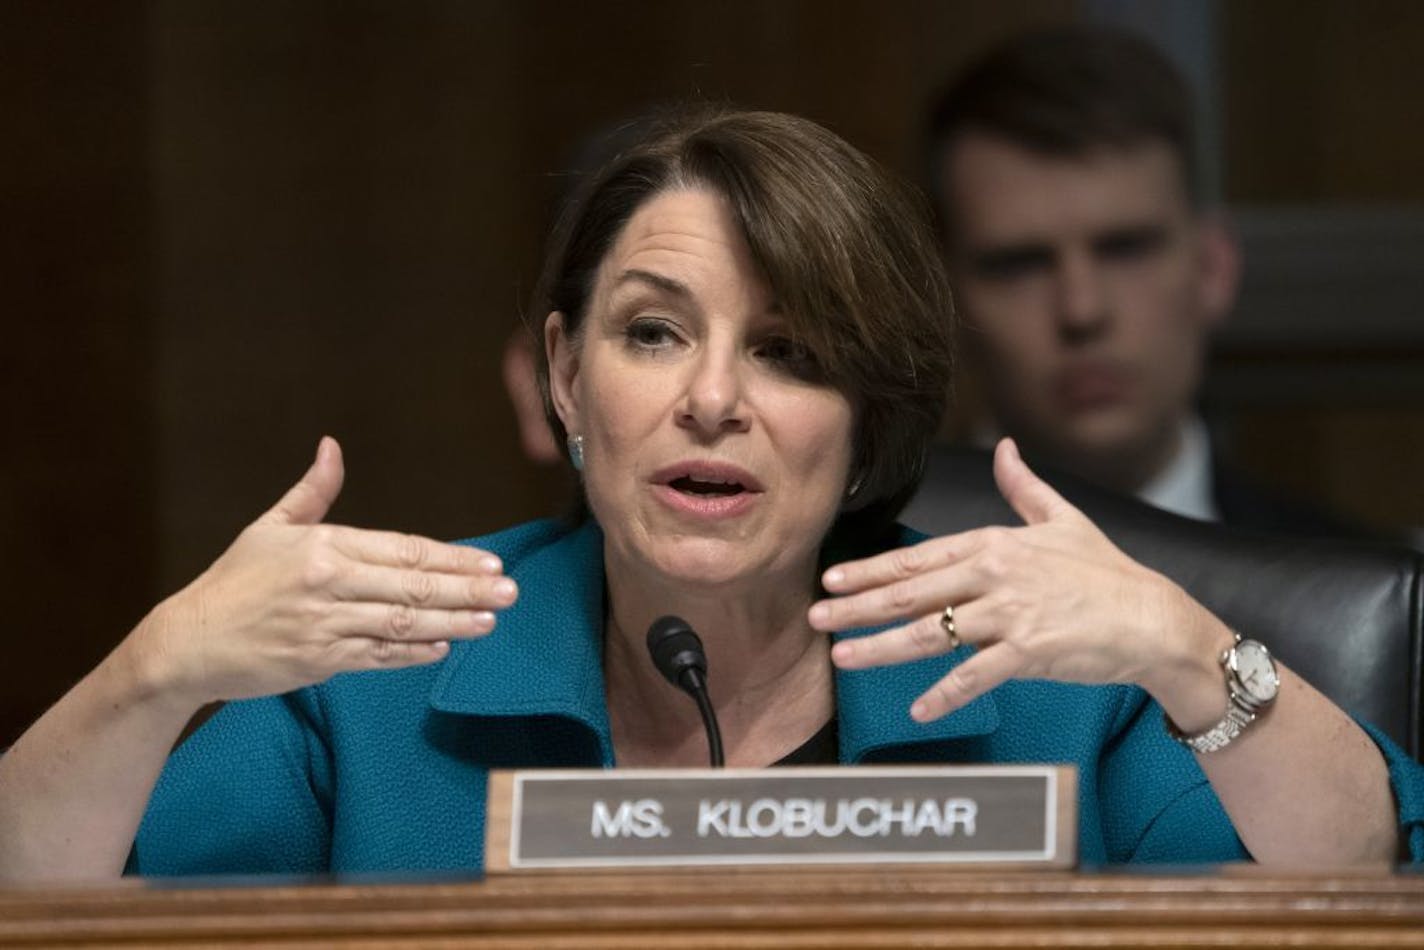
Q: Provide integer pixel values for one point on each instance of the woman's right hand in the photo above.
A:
(294, 601)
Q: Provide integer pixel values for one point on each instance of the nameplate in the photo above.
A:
(1006, 816)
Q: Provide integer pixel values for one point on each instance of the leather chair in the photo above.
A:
(1345, 615)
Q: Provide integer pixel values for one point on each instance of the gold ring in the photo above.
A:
(946, 622)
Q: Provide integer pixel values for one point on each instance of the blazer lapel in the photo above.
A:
(545, 656)
(874, 707)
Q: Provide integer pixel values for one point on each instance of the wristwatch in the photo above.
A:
(1252, 682)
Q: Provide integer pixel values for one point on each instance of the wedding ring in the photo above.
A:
(946, 622)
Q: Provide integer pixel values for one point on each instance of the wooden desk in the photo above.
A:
(1223, 907)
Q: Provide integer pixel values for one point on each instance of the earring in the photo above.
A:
(855, 486)
(576, 452)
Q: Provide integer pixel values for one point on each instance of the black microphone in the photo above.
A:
(678, 655)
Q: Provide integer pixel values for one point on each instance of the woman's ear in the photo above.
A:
(562, 352)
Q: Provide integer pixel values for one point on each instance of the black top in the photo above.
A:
(821, 749)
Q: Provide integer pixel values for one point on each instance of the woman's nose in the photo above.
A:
(713, 402)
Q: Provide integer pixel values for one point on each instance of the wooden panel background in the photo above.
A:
(78, 470)
(1322, 108)
(230, 227)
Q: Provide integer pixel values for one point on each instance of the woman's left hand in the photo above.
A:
(1054, 599)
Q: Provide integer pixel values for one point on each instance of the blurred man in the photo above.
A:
(1088, 272)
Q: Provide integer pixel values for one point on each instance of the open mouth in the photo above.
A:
(695, 486)
(708, 488)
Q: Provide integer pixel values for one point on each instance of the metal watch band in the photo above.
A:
(1241, 708)
(1219, 736)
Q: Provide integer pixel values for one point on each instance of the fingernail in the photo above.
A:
(920, 711)
(833, 577)
(820, 613)
(842, 652)
(505, 589)
(491, 564)
(484, 621)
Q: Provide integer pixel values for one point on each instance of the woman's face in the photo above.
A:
(712, 453)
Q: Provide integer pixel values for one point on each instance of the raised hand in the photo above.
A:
(294, 601)
(1054, 599)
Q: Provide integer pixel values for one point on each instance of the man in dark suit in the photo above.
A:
(1088, 270)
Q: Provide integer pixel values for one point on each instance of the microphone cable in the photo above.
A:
(677, 653)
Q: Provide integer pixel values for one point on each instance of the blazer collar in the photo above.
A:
(545, 658)
(874, 708)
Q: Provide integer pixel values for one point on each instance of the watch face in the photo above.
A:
(1256, 671)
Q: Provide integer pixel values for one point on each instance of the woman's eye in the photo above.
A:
(649, 333)
(791, 357)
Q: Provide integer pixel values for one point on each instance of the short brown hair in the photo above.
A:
(847, 251)
(1064, 91)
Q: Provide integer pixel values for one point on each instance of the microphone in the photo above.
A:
(678, 655)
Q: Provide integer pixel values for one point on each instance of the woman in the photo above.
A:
(747, 353)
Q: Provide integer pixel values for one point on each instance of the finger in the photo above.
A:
(308, 501)
(898, 600)
(924, 637)
(427, 589)
(850, 577)
(402, 622)
(1030, 496)
(349, 654)
(411, 551)
(986, 669)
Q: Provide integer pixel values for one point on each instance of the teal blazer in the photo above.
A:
(386, 771)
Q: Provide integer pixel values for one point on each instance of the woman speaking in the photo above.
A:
(747, 352)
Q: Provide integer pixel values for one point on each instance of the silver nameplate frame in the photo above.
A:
(970, 815)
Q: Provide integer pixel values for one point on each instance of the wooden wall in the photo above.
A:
(1322, 101)
(78, 469)
(232, 226)
(1322, 111)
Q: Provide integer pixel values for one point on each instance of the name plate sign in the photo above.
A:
(1020, 816)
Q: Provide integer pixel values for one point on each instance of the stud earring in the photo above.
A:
(576, 452)
(855, 486)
